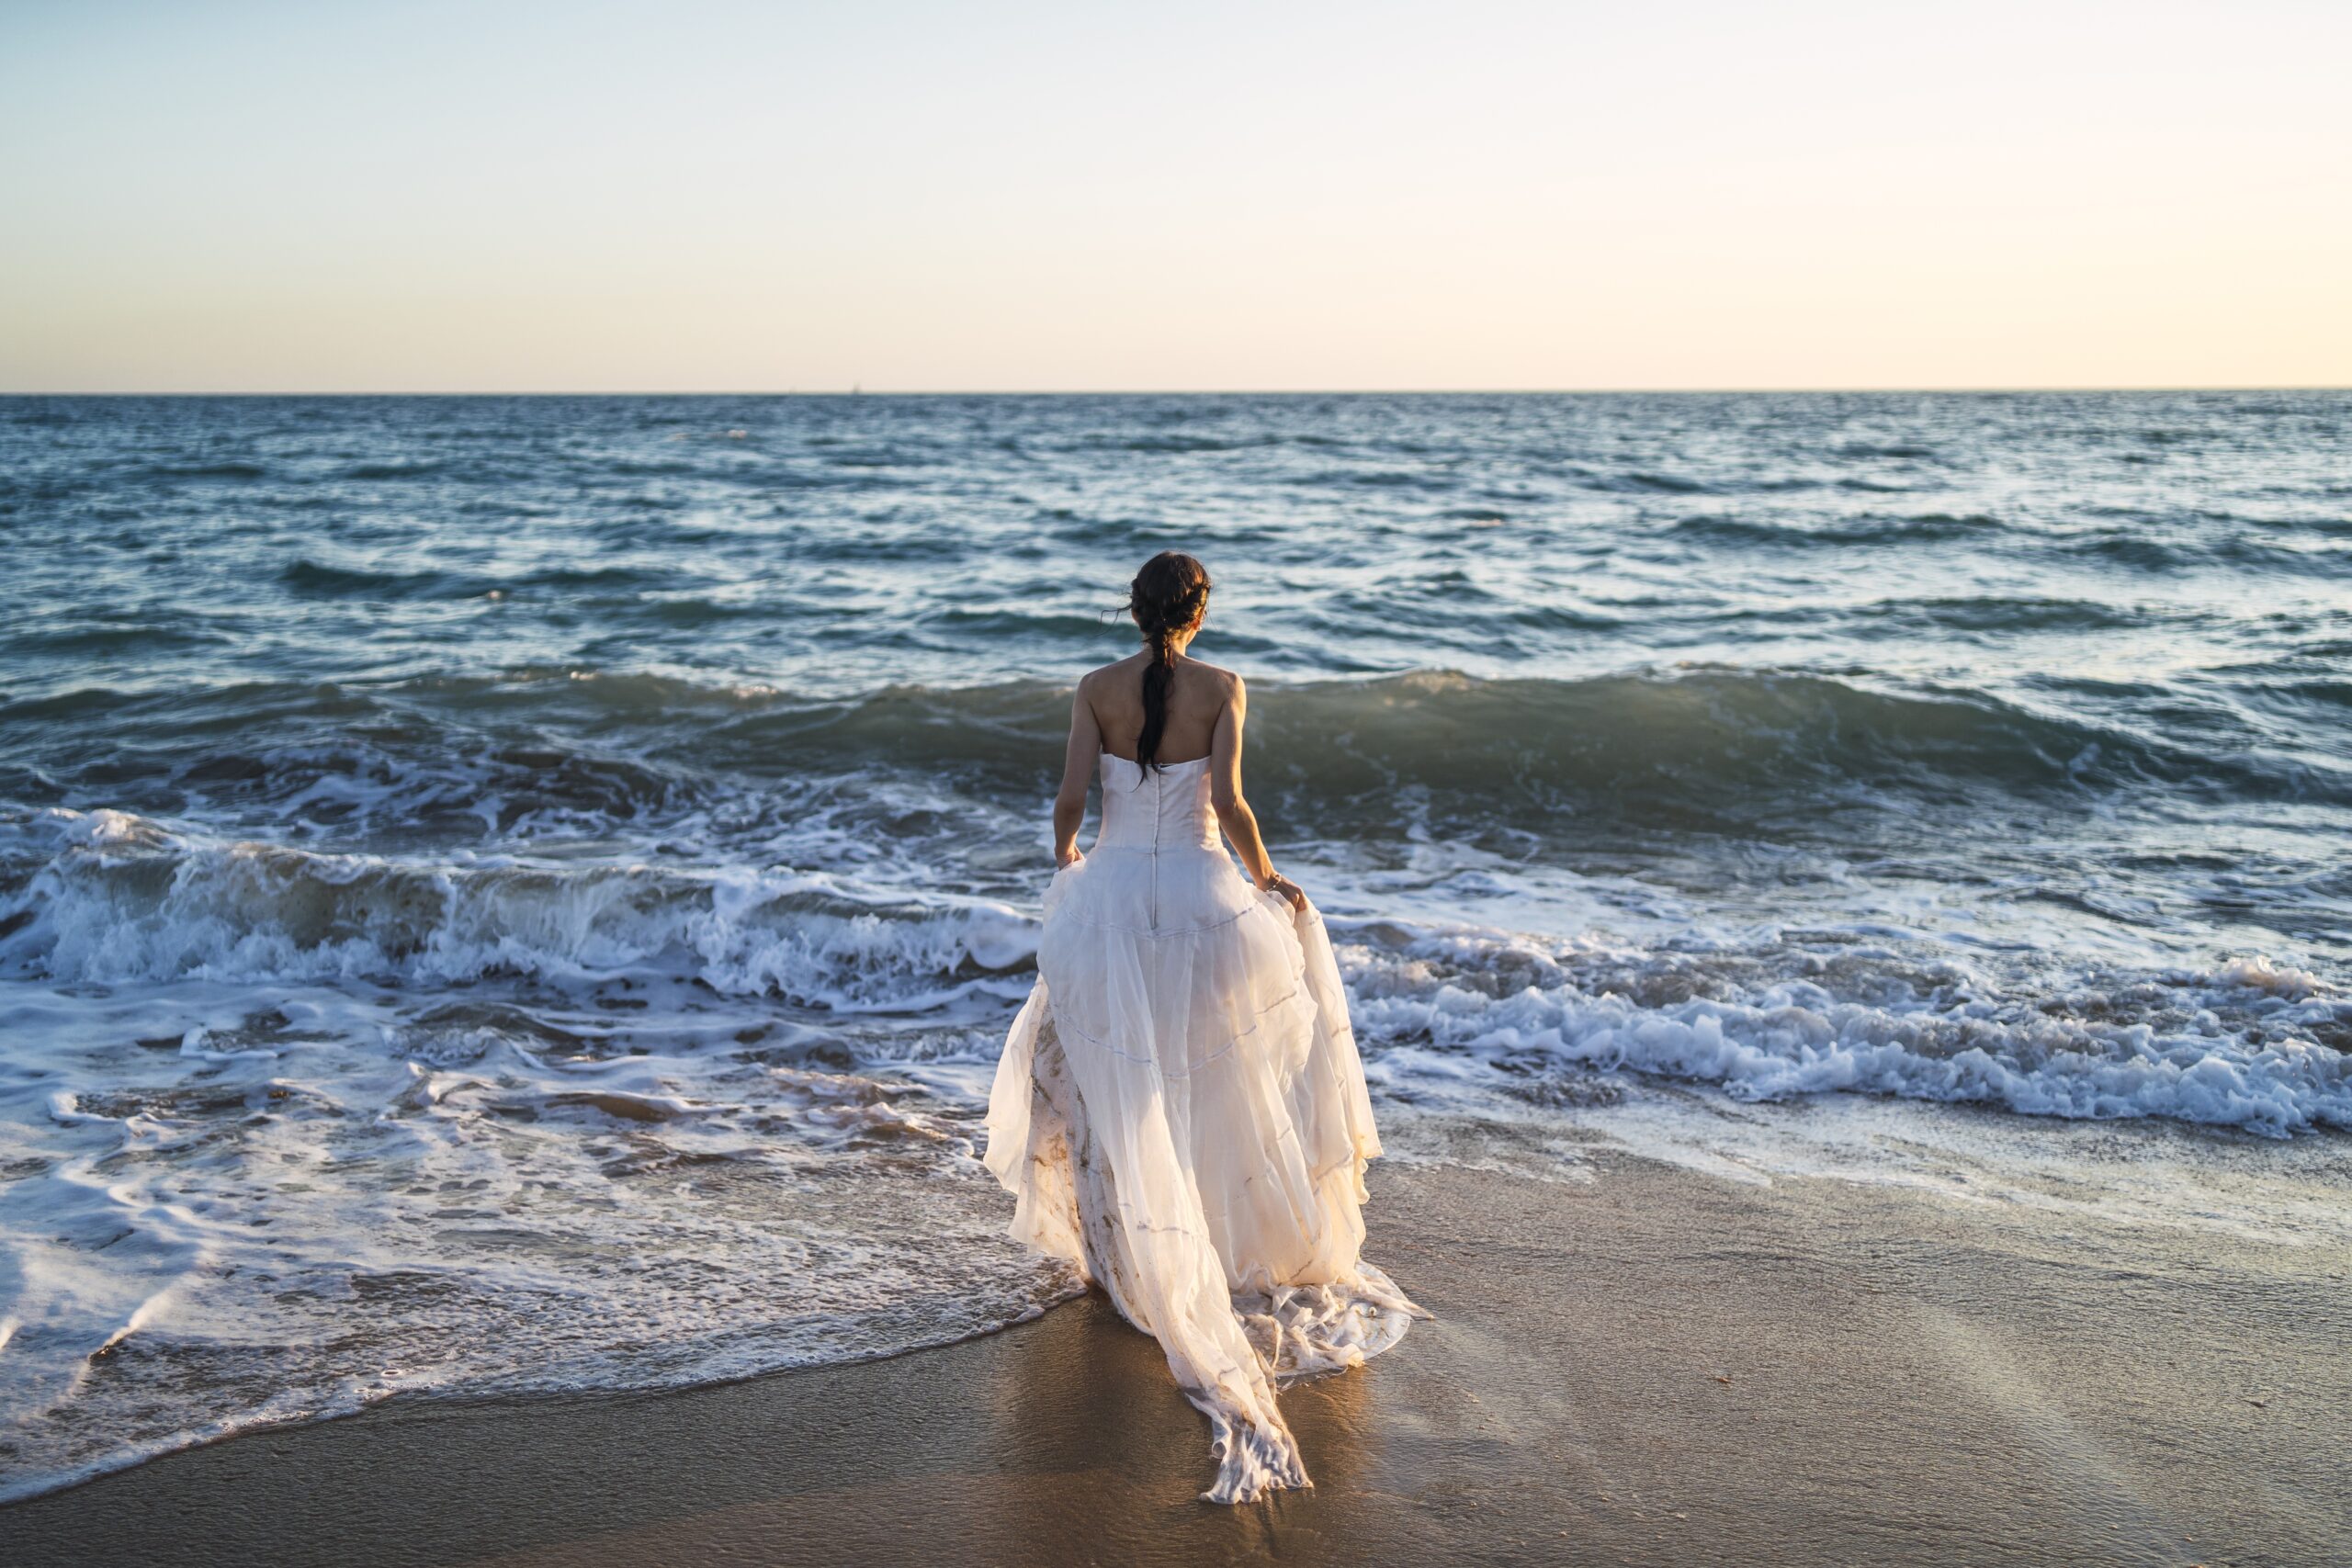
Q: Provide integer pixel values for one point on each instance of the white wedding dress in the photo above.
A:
(1181, 1113)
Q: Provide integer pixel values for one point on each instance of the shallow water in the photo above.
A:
(524, 892)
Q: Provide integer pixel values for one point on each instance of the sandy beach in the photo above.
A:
(1652, 1367)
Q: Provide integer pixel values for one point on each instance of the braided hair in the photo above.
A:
(1167, 596)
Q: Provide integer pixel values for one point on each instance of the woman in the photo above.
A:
(1180, 1108)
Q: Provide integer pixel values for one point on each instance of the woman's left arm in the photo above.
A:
(1233, 813)
(1077, 766)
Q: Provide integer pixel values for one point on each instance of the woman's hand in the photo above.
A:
(1067, 856)
(1277, 883)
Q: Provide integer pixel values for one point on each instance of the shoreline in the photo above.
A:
(1653, 1366)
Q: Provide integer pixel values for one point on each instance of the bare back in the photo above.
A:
(1206, 709)
(1197, 696)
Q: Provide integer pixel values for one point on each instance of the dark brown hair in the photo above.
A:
(1167, 596)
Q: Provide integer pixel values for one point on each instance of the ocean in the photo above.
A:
(511, 894)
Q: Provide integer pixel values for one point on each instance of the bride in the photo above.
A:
(1180, 1108)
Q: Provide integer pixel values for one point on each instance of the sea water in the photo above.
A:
(524, 894)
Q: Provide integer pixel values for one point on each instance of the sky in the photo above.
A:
(700, 195)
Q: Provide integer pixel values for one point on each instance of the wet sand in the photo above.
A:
(1655, 1367)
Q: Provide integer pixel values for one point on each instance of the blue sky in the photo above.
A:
(723, 197)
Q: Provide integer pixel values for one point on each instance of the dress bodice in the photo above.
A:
(1157, 808)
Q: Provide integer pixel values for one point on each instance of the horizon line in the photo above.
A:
(863, 391)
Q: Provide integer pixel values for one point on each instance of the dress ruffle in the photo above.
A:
(1180, 1113)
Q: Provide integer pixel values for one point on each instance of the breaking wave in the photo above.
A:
(1686, 746)
(124, 899)
(2250, 1046)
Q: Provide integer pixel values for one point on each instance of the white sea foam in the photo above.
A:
(2259, 974)
(125, 900)
(287, 1214)
(532, 1119)
(2149, 1047)
(2241, 1045)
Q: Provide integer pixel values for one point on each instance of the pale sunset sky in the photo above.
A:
(703, 196)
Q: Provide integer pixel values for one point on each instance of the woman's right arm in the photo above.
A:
(1233, 813)
(1077, 766)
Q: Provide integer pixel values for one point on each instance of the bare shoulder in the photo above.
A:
(1093, 680)
(1224, 683)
